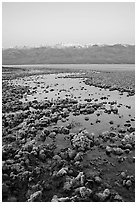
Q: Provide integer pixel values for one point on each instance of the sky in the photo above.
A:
(39, 24)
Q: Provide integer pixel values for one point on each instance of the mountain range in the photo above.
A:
(70, 54)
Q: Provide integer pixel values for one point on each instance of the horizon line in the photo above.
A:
(66, 45)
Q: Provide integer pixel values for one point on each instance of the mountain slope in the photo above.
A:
(95, 54)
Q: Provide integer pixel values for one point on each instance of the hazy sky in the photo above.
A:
(35, 24)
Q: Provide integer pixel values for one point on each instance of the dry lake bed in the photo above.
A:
(68, 133)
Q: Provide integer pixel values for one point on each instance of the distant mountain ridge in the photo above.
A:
(73, 54)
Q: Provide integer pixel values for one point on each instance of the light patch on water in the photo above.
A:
(54, 87)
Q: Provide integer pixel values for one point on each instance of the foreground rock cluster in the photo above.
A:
(90, 167)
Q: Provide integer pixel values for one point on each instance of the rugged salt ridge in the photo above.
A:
(88, 167)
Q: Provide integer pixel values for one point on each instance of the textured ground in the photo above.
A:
(49, 157)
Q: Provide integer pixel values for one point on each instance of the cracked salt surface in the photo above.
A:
(55, 86)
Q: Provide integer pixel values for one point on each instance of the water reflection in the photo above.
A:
(55, 86)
